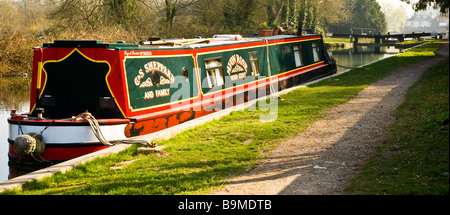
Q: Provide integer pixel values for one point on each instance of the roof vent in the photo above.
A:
(228, 36)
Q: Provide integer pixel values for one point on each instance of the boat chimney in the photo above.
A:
(13, 113)
(300, 29)
(40, 112)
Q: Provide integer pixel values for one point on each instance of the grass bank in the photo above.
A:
(337, 42)
(415, 159)
(344, 42)
(198, 160)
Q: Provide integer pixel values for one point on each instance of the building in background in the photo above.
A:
(428, 21)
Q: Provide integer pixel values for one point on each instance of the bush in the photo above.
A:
(16, 56)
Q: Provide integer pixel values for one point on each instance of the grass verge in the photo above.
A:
(337, 42)
(198, 160)
(415, 160)
(345, 42)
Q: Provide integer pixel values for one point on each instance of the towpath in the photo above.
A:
(324, 158)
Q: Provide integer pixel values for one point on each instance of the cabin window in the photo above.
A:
(214, 72)
(298, 55)
(316, 51)
(286, 50)
(253, 56)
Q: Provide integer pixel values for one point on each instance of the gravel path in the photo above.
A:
(324, 158)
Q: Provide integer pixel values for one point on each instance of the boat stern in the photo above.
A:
(63, 139)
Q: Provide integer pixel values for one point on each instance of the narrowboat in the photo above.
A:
(87, 94)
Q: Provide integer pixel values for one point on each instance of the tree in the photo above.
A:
(442, 5)
(331, 12)
(238, 14)
(273, 9)
(367, 14)
(289, 11)
(98, 14)
(395, 15)
(171, 8)
(79, 14)
(207, 13)
(317, 15)
(122, 12)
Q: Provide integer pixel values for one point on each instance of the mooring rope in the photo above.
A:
(346, 67)
(272, 91)
(95, 127)
(31, 145)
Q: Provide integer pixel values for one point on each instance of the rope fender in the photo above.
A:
(29, 145)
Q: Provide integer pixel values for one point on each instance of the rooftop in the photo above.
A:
(205, 42)
(418, 17)
(158, 43)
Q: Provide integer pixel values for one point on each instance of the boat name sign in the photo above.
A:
(237, 64)
(151, 67)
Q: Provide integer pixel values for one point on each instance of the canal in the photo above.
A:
(15, 93)
(361, 55)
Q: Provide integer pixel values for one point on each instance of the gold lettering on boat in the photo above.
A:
(149, 95)
(162, 93)
(149, 68)
(236, 64)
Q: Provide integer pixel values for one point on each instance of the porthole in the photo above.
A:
(185, 74)
(156, 79)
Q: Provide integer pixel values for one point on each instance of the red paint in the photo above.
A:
(60, 153)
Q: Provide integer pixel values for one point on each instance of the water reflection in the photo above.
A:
(14, 94)
(361, 55)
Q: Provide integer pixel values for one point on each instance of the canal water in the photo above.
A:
(361, 55)
(15, 93)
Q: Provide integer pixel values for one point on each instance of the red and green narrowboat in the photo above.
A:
(138, 89)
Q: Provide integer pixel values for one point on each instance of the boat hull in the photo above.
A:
(64, 140)
(56, 153)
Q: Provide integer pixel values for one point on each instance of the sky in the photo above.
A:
(408, 8)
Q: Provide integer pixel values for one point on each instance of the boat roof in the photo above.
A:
(217, 40)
